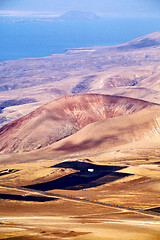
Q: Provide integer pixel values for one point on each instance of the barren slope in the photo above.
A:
(61, 118)
(109, 133)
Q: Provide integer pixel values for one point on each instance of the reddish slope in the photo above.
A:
(100, 136)
(61, 118)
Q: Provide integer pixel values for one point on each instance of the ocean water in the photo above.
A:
(39, 39)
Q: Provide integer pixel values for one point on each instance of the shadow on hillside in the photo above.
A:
(88, 175)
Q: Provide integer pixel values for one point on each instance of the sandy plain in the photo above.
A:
(66, 218)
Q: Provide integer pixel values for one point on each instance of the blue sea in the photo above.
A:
(39, 39)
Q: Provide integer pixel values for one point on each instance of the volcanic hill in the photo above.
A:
(63, 117)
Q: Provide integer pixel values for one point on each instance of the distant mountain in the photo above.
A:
(149, 40)
(78, 15)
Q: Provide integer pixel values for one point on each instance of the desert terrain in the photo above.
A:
(80, 144)
(130, 70)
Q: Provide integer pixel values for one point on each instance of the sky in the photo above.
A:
(141, 8)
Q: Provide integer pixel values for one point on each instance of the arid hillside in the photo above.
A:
(63, 117)
(107, 134)
(140, 129)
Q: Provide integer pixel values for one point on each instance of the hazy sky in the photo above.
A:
(108, 7)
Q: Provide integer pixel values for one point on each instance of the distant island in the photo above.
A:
(70, 15)
(78, 15)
